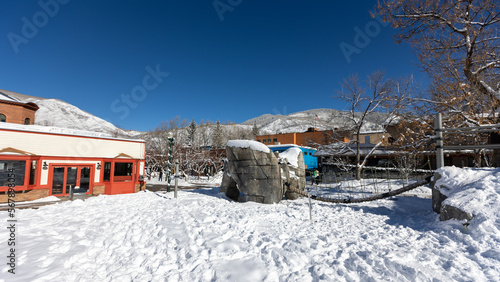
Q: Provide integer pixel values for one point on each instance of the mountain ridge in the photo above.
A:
(58, 113)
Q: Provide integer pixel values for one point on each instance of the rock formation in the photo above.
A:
(254, 173)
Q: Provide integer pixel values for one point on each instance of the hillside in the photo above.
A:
(322, 119)
(57, 113)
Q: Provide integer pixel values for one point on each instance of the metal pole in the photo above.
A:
(176, 178)
(170, 157)
(310, 209)
(438, 127)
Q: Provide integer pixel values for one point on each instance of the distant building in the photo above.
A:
(312, 138)
(14, 111)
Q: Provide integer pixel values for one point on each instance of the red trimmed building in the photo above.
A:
(48, 161)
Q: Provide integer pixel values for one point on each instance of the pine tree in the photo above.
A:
(218, 141)
(255, 130)
(192, 132)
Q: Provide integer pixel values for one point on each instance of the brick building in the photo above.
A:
(312, 137)
(14, 111)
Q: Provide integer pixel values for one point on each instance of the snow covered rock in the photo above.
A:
(256, 171)
(228, 185)
(293, 171)
(465, 193)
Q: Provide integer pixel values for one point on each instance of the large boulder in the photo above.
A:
(449, 195)
(253, 173)
(255, 170)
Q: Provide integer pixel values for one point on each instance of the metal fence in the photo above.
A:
(341, 184)
(440, 131)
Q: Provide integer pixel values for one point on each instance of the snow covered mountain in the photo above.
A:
(322, 119)
(57, 113)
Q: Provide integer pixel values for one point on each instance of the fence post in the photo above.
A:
(176, 178)
(438, 128)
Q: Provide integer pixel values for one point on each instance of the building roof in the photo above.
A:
(341, 149)
(8, 98)
(61, 131)
(289, 146)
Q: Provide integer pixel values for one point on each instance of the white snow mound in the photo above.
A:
(292, 156)
(476, 191)
(254, 145)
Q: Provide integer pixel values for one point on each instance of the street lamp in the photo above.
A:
(171, 142)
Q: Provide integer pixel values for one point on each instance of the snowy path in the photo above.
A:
(201, 236)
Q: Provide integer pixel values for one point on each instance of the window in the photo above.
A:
(107, 171)
(123, 171)
(258, 140)
(27, 121)
(264, 141)
(367, 139)
(33, 173)
(12, 170)
(275, 140)
(269, 140)
(3, 118)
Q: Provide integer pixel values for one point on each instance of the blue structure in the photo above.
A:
(310, 161)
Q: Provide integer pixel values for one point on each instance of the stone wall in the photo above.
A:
(29, 195)
(98, 190)
(139, 187)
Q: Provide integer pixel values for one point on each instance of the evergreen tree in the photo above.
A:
(255, 130)
(192, 133)
(218, 138)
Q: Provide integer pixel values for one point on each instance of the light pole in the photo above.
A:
(171, 142)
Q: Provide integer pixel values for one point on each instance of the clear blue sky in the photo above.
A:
(225, 59)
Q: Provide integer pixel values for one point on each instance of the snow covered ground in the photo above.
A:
(202, 236)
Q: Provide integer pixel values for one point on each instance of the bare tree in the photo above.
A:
(458, 45)
(380, 95)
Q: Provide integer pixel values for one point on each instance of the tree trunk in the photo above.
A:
(358, 161)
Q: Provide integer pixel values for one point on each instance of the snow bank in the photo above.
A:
(292, 155)
(201, 236)
(41, 200)
(254, 145)
(476, 191)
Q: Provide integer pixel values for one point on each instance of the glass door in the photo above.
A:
(66, 177)
(84, 180)
(71, 178)
(58, 180)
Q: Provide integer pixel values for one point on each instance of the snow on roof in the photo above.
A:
(6, 97)
(292, 155)
(290, 145)
(345, 149)
(58, 130)
(254, 145)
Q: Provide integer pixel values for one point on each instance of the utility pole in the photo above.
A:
(171, 142)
